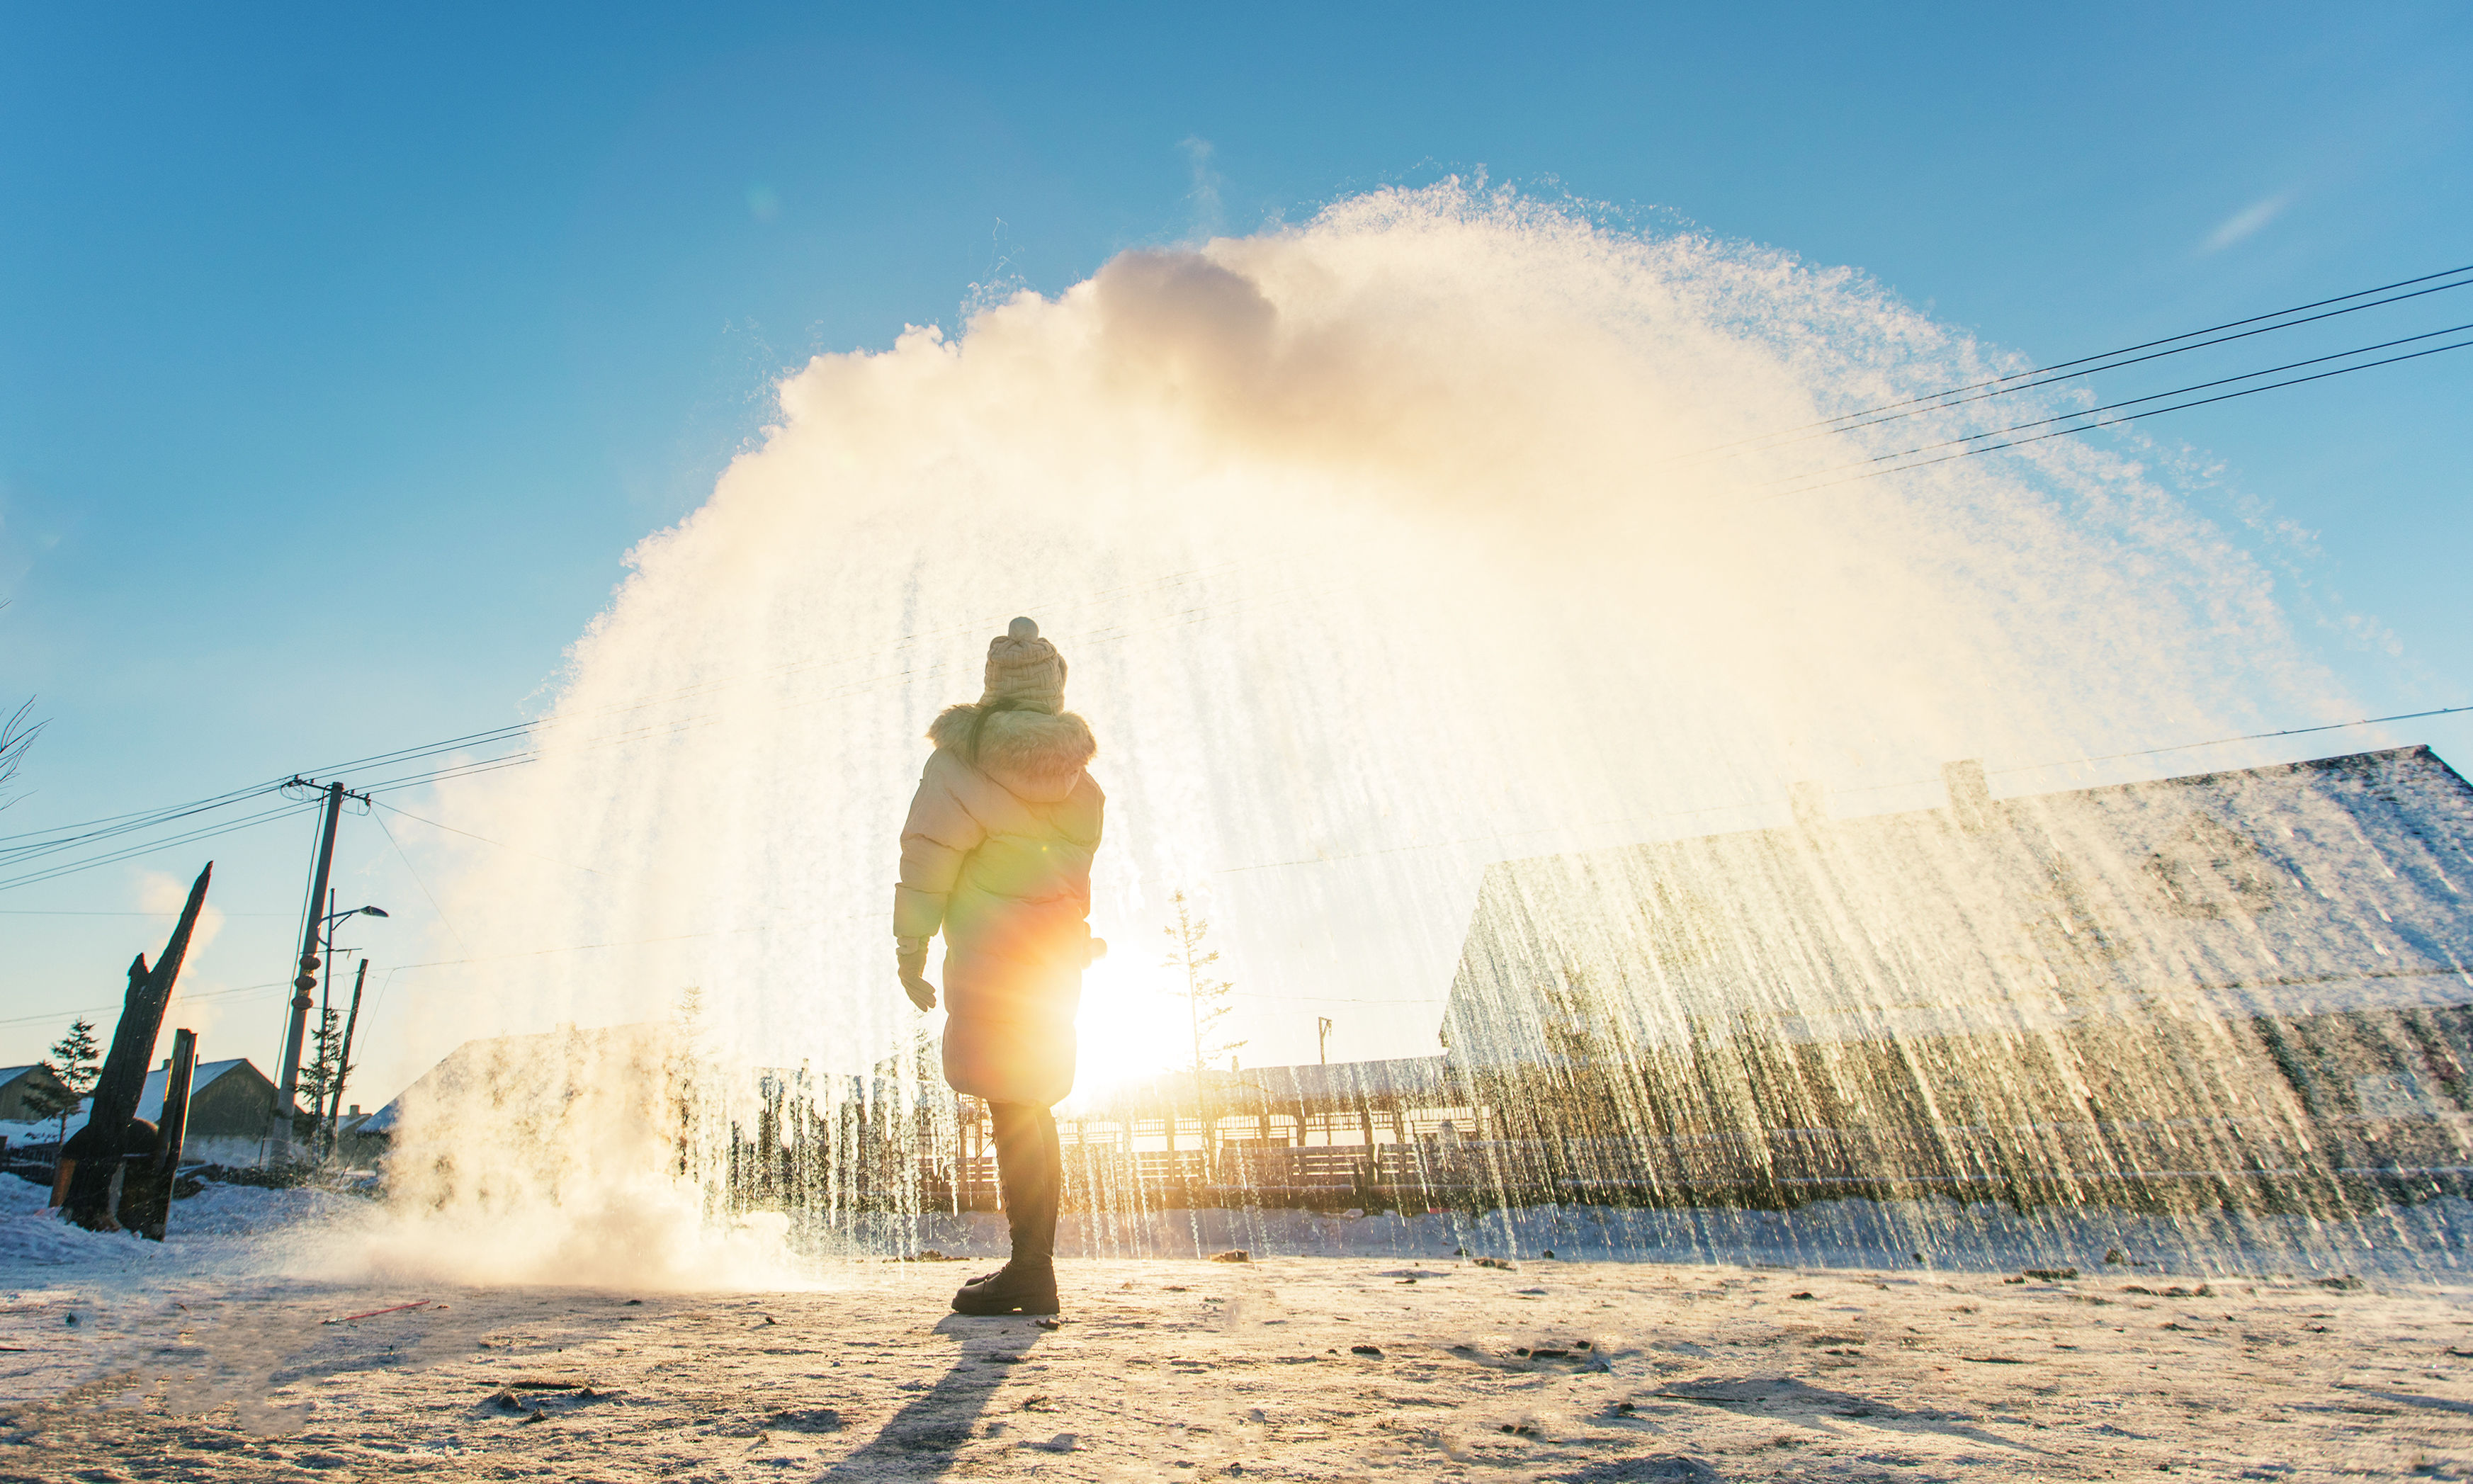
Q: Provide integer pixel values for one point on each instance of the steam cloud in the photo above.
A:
(1380, 547)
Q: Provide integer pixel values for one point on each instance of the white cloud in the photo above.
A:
(161, 892)
(2245, 223)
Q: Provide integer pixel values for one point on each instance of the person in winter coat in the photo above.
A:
(997, 854)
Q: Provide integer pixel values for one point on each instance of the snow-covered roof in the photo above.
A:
(150, 1101)
(539, 1065)
(2297, 889)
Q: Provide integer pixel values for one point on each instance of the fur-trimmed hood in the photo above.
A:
(1034, 754)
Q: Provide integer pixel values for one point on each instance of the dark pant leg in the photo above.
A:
(1030, 1168)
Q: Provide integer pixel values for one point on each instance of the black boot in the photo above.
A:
(1030, 1168)
(1018, 1287)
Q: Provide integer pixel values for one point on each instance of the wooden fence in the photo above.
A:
(2323, 1166)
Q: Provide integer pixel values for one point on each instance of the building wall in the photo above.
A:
(236, 1105)
(224, 1149)
(15, 1106)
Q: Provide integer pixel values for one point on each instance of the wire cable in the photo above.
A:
(486, 840)
(2255, 736)
(182, 998)
(1784, 441)
(535, 734)
(89, 863)
(2106, 355)
(418, 882)
(193, 804)
(2090, 412)
(128, 824)
(2152, 412)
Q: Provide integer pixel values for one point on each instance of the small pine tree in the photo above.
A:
(74, 1063)
(1206, 998)
(318, 1078)
(43, 1101)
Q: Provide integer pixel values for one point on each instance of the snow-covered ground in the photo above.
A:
(207, 1358)
(210, 1230)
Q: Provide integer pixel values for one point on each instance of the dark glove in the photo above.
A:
(913, 967)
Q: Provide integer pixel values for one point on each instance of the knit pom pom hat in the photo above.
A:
(1025, 669)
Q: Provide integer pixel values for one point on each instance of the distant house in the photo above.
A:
(230, 1104)
(2218, 973)
(356, 1141)
(521, 1101)
(529, 1078)
(18, 1090)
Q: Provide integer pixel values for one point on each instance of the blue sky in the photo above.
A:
(343, 355)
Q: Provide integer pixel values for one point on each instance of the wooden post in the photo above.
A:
(146, 1189)
(98, 1147)
(344, 1059)
(178, 1087)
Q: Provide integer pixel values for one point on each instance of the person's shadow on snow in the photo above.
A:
(941, 1420)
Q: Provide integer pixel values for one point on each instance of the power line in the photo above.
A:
(2255, 736)
(237, 794)
(89, 863)
(486, 840)
(2044, 379)
(62, 912)
(127, 824)
(2152, 397)
(2152, 412)
(417, 881)
(183, 998)
(60, 838)
(88, 833)
(2106, 355)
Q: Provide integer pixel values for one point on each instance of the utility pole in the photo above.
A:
(287, 1096)
(1322, 1038)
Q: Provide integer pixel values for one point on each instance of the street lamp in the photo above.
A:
(332, 1086)
(322, 935)
(326, 931)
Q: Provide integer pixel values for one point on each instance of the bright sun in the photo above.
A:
(1130, 1026)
